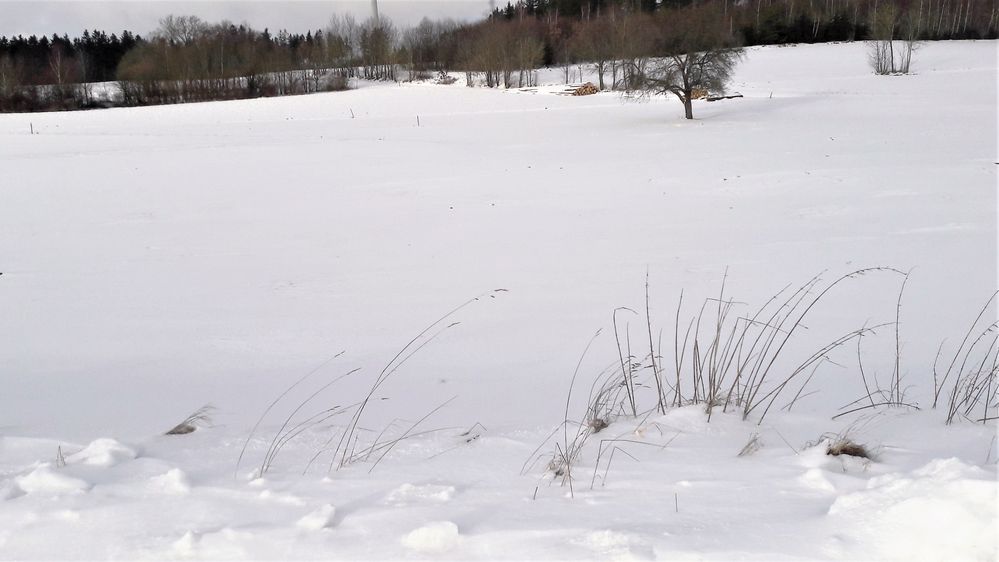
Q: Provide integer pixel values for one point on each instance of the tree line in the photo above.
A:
(188, 59)
(45, 72)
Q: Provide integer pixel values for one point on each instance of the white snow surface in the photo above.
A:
(435, 538)
(158, 259)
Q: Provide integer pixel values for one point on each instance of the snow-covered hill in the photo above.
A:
(155, 260)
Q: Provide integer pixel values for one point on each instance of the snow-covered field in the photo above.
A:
(155, 260)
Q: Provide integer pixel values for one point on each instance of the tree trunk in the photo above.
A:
(688, 108)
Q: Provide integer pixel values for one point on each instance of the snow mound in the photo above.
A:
(45, 480)
(813, 457)
(281, 497)
(433, 538)
(104, 452)
(429, 493)
(320, 518)
(614, 545)
(186, 546)
(224, 544)
(815, 479)
(9, 490)
(688, 419)
(173, 481)
(951, 469)
(899, 515)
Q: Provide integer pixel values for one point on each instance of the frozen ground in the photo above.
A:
(158, 259)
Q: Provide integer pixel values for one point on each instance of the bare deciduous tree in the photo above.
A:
(591, 42)
(377, 42)
(699, 55)
(894, 31)
(182, 29)
(506, 53)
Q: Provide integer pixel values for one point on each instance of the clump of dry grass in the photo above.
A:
(202, 417)
(568, 450)
(612, 395)
(722, 359)
(844, 443)
(848, 447)
(598, 424)
(975, 367)
(730, 360)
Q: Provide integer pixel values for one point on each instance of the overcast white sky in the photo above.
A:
(42, 17)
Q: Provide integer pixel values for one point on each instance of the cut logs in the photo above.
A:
(586, 90)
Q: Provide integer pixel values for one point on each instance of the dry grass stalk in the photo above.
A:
(199, 418)
(349, 446)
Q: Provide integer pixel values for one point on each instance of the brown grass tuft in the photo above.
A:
(847, 447)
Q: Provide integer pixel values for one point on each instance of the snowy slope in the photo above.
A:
(158, 259)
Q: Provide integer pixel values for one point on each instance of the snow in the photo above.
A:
(44, 480)
(156, 260)
(173, 481)
(103, 452)
(320, 518)
(409, 493)
(896, 507)
(433, 538)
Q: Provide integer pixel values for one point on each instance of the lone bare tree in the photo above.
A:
(698, 55)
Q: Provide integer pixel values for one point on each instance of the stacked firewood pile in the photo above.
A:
(586, 90)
